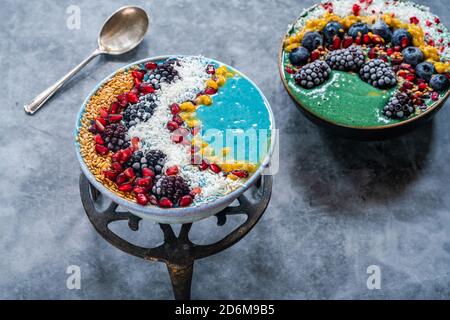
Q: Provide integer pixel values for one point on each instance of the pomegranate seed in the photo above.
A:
(428, 23)
(102, 150)
(215, 168)
(103, 113)
(356, 9)
(289, 70)
(142, 199)
(137, 84)
(130, 173)
(414, 20)
(172, 171)
(408, 85)
(115, 117)
(146, 89)
(132, 97)
(390, 51)
(116, 156)
(176, 138)
(99, 126)
(116, 166)
(121, 179)
(405, 42)
(397, 48)
(153, 200)
(177, 119)
(435, 96)
(175, 109)
(123, 99)
(151, 66)
(185, 201)
(204, 166)
(210, 69)
(348, 41)
(372, 53)
(144, 182)
(337, 42)
(358, 40)
(114, 108)
(165, 203)
(110, 174)
(99, 139)
(210, 91)
(437, 20)
(172, 126)
(137, 74)
(410, 77)
(240, 173)
(431, 42)
(366, 39)
(135, 143)
(423, 86)
(126, 155)
(315, 55)
(146, 172)
(126, 187)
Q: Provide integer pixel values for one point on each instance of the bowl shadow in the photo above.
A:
(342, 175)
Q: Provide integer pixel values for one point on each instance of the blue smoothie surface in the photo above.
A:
(238, 117)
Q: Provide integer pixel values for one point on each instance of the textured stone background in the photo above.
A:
(338, 206)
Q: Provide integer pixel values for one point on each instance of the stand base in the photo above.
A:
(178, 253)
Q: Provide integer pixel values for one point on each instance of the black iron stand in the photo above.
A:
(178, 253)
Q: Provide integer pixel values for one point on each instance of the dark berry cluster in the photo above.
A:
(153, 159)
(163, 73)
(171, 187)
(141, 111)
(399, 106)
(115, 137)
(379, 74)
(313, 74)
(350, 59)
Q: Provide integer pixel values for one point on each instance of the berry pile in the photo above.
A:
(383, 56)
(162, 73)
(153, 159)
(172, 188)
(377, 73)
(313, 74)
(350, 59)
(141, 111)
(115, 137)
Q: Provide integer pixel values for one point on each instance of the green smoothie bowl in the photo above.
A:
(367, 69)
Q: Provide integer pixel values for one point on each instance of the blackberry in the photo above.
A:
(350, 59)
(153, 159)
(313, 74)
(141, 111)
(399, 106)
(379, 74)
(171, 187)
(163, 73)
(115, 137)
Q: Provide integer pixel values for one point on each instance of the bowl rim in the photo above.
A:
(430, 109)
(193, 212)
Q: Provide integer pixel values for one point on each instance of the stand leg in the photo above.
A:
(181, 278)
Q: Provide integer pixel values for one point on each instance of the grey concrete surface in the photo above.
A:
(338, 206)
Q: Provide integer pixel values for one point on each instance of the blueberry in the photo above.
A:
(312, 40)
(382, 29)
(399, 35)
(425, 70)
(412, 56)
(358, 28)
(439, 82)
(299, 56)
(332, 29)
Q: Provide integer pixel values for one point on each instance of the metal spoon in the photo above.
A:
(123, 31)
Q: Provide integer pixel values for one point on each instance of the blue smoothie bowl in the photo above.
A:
(176, 215)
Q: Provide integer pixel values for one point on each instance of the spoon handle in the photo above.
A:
(43, 97)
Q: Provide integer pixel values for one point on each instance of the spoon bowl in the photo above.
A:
(123, 31)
